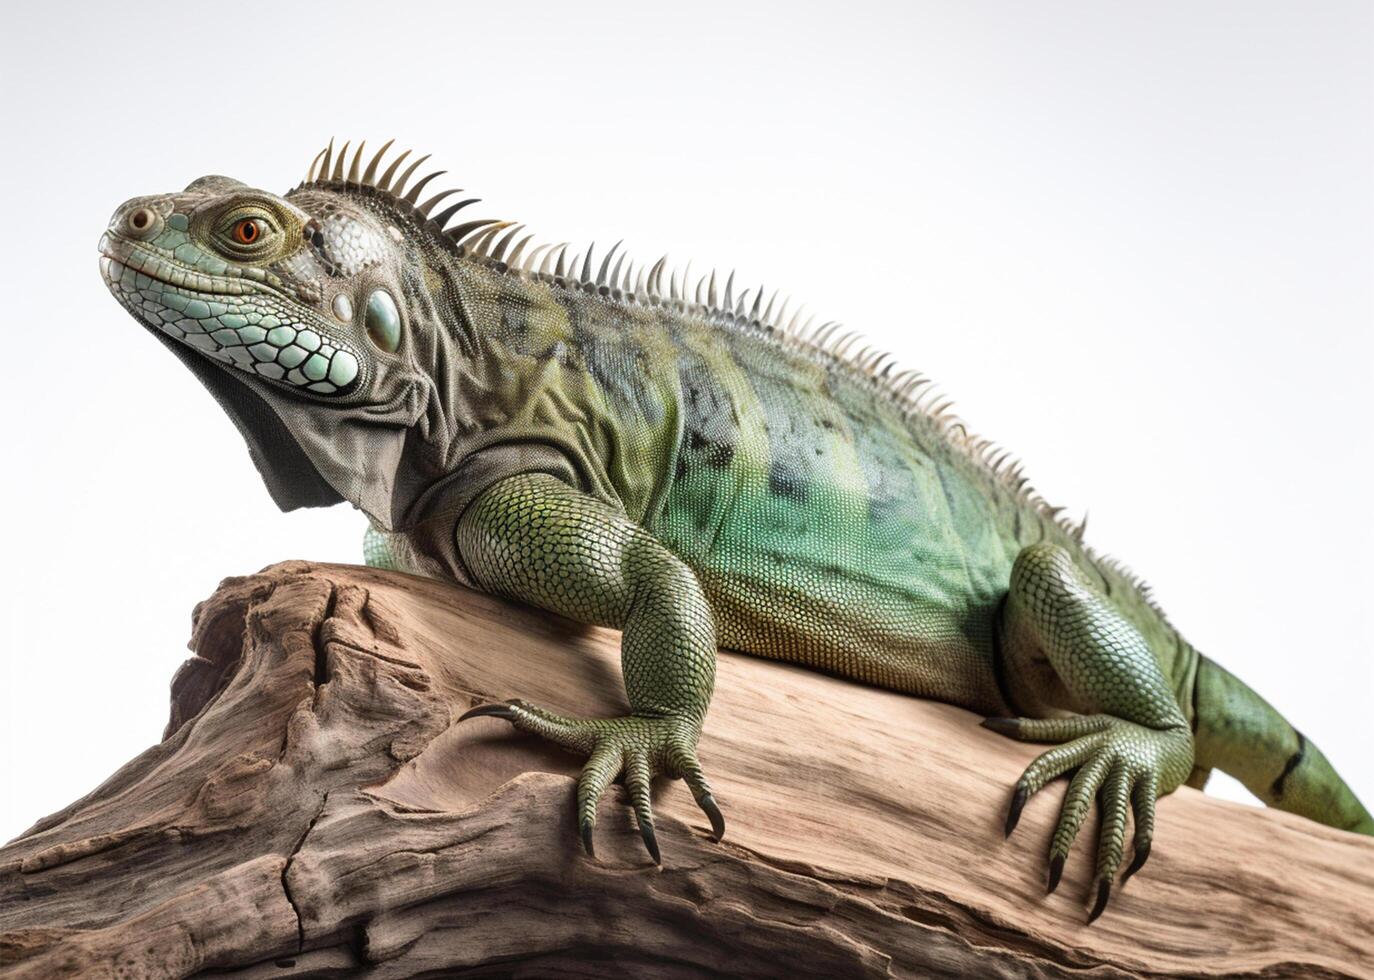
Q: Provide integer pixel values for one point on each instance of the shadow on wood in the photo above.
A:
(313, 811)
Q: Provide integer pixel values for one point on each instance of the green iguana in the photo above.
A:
(691, 467)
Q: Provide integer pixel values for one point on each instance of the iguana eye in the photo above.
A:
(247, 231)
(383, 321)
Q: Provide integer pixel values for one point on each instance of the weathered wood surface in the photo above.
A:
(313, 811)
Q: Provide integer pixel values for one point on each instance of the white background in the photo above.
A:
(1134, 239)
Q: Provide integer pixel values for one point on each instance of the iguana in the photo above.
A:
(691, 467)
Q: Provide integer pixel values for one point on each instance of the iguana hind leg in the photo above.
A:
(536, 539)
(1066, 647)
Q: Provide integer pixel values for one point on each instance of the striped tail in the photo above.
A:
(1239, 733)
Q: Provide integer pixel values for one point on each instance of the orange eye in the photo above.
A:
(247, 231)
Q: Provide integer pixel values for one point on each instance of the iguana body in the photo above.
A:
(688, 470)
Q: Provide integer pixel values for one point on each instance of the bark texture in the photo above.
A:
(312, 811)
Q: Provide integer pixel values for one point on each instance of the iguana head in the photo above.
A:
(296, 312)
(304, 301)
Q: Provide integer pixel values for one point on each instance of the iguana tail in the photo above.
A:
(1239, 733)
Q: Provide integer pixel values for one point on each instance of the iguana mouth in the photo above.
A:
(241, 322)
(231, 282)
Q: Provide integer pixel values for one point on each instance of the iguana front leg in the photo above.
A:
(1129, 739)
(534, 538)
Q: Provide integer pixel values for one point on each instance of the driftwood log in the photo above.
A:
(312, 811)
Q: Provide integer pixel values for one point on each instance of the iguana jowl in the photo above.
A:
(686, 468)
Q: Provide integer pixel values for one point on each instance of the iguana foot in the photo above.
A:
(1126, 762)
(634, 748)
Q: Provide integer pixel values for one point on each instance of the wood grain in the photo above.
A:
(313, 811)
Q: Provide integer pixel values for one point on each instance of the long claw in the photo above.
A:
(1104, 892)
(637, 776)
(708, 804)
(587, 845)
(1142, 854)
(1143, 801)
(1018, 801)
(1002, 726)
(494, 710)
(646, 830)
(1056, 872)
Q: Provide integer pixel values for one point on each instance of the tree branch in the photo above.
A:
(312, 811)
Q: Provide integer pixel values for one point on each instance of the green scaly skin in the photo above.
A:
(688, 470)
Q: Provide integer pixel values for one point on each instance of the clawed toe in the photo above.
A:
(494, 710)
(1104, 892)
(708, 804)
(646, 830)
(1018, 803)
(1056, 872)
(1142, 854)
(632, 749)
(1121, 763)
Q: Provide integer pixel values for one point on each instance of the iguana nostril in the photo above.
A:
(140, 221)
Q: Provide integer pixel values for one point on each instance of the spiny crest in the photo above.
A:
(502, 246)
(327, 171)
(505, 246)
